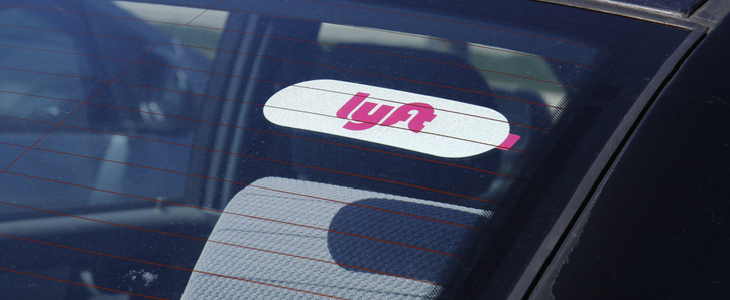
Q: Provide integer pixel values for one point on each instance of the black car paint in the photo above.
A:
(658, 226)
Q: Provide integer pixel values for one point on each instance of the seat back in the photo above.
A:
(283, 239)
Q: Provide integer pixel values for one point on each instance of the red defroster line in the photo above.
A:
(335, 45)
(228, 181)
(361, 49)
(231, 213)
(222, 180)
(389, 31)
(261, 80)
(39, 96)
(254, 157)
(384, 76)
(330, 170)
(234, 182)
(192, 238)
(77, 109)
(368, 207)
(463, 66)
(147, 262)
(456, 22)
(399, 128)
(414, 35)
(108, 82)
(208, 209)
(193, 70)
(301, 111)
(288, 60)
(375, 29)
(261, 158)
(237, 214)
(76, 283)
(161, 22)
(280, 108)
(476, 46)
(313, 113)
(319, 89)
(280, 134)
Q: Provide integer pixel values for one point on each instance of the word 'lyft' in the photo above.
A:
(363, 117)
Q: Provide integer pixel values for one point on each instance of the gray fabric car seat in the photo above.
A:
(291, 239)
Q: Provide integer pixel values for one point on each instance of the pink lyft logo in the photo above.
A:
(364, 117)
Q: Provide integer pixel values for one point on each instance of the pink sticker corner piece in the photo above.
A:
(508, 142)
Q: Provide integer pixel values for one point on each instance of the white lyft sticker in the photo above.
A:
(421, 123)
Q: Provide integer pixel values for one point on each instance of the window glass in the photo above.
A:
(128, 128)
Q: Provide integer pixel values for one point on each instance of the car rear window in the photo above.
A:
(129, 127)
